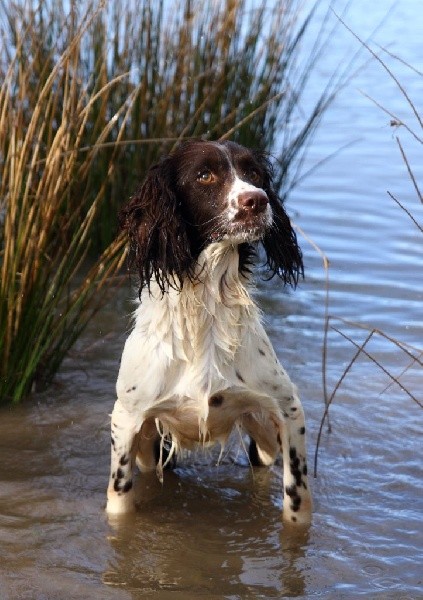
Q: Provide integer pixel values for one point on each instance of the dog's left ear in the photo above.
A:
(283, 254)
(159, 244)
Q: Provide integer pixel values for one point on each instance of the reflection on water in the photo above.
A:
(216, 532)
(218, 525)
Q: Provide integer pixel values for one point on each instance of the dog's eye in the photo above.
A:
(206, 177)
(254, 176)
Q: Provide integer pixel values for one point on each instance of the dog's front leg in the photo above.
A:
(120, 493)
(283, 429)
(280, 402)
(297, 503)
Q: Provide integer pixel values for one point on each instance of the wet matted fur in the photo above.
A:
(198, 362)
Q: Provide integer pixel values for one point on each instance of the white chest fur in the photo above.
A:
(187, 344)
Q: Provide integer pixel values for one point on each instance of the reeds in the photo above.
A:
(47, 214)
(92, 93)
(412, 354)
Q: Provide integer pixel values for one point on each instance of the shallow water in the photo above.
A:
(216, 532)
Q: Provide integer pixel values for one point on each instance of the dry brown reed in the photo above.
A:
(46, 221)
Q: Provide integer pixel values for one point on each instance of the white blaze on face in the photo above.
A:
(240, 187)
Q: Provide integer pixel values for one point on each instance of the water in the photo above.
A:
(216, 532)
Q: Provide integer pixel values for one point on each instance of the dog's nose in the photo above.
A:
(253, 202)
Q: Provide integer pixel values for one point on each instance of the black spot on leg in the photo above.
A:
(122, 489)
(262, 352)
(301, 430)
(279, 439)
(124, 460)
(296, 503)
(294, 464)
(305, 470)
(216, 400)
(118, 485)
(291, 490)
(113, 441)
(294, 519)
(127, 486)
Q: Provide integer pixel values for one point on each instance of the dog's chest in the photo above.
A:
(200, 334)
(186, 344)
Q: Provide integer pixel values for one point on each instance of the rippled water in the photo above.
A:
(216, 532)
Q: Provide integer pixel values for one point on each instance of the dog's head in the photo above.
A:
(207, 192)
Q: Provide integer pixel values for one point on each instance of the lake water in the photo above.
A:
(216, 532)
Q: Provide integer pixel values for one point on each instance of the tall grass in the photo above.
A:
(91, 94)
(47, 214)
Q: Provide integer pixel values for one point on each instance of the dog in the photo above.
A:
(198, 362)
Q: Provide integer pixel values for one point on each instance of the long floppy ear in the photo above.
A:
(283, 254)
(159, 246)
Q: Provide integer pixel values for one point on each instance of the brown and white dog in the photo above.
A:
(198, 362)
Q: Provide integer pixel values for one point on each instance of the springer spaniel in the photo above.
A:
(198, 362)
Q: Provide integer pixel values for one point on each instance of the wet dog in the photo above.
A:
(198, 362)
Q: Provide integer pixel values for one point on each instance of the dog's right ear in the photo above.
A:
(159, 246)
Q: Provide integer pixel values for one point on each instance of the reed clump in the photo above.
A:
(47, 211)
(91, 94)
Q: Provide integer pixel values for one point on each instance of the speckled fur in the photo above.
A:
(197, 364)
